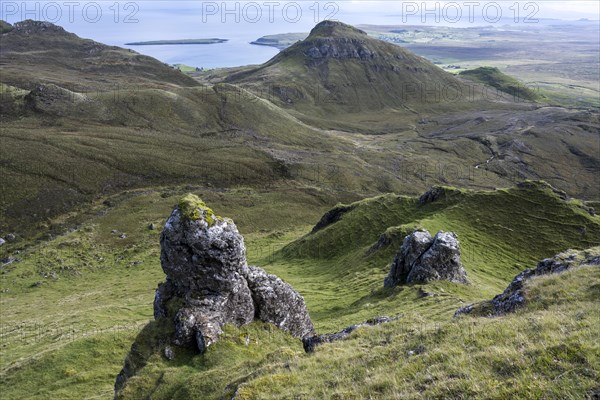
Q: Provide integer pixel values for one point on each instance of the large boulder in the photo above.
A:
(423, 259)
(440, 262)
(412, 247)
(209, 283)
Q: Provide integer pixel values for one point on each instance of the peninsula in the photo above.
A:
(177, 41)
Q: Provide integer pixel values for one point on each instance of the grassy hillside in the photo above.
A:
(65, 146)
(338, 71)
(495, 78)
(35, 52)
(90, 292)
(339, 269)
(548, 350)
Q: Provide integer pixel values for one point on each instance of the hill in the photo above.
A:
(88, 294)
(493, 77)
(65, 146)
(339, 70)
(36, 52)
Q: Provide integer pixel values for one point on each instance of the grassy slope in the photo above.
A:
(97, 143)
(98, 289)
(493, 77)
(89, 292)
(522, 355)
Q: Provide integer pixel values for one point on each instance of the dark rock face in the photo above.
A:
(423, 259)
(332, 216)
(513, 296)
(431, 195)
(440, 262)
(340, 48)
(209, 283)
(31, 27)
(310, 342)
(412, 247)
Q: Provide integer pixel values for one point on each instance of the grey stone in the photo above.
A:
(169, 353)
(514, 297)
(412, 247)
(278, 303)
(310, 342)
(209, 283)
(440, 262)
(423, 259)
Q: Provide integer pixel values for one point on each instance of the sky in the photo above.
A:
(117, 22)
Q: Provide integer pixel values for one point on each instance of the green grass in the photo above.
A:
(95, 285)
(70, 297)
(494, 77)
(117, 161)
(547, 350)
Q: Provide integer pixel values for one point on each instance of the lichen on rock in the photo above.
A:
(210, 283)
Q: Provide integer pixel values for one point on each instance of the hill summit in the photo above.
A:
(39, 52)
(340, 69)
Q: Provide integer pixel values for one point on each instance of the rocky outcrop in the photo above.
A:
(277, 303)
(332, 216)
(514, 297)
(209, 283)
(31, 27)
(52, 99)
(412, 247)
(310, 342)
(423, 259)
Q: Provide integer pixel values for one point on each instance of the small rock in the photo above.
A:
(114, 231)
(136, 263)
(11, 237)
(200, 343)
(7, 261)
(2, 241)
(440, 262)
(412, 247)
(152, 226)
(169, 353)
(464, 310)
(122, 236)
(311, 341)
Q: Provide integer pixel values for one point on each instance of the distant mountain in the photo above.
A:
(340, 69)
(35, 52)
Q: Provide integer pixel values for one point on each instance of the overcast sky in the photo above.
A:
(121, 21)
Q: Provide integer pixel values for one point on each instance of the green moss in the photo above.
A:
(193, 208)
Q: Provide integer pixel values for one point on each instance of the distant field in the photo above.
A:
(558, 61)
